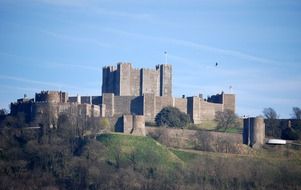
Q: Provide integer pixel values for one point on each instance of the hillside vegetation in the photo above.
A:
(137, 150)
(60, 158)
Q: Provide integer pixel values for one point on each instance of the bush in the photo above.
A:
(172, 117)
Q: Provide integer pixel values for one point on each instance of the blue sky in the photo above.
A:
(63, 44)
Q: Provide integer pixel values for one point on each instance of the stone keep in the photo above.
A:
(124, 80)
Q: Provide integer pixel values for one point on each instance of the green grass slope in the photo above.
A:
(137, 150)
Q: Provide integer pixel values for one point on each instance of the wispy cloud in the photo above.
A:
(47, 86)
(76, 39)
(22, 89)
(229, 52)
(122, 14)
(67, 3)
(25, 80)
(199, 46)
(48, 64)
(273, 86)
(75, 66)
(95, 7)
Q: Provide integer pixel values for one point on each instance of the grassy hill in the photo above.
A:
(137, 150)
(212, 169)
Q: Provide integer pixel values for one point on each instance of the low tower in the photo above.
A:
(254, 132)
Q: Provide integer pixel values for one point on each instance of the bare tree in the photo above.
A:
(226, 119)
(296, 113)
(272, 122)
(3, 112)
(270, 113)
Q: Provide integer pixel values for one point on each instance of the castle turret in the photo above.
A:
(165, 80)
(51, 97)
(254, 131)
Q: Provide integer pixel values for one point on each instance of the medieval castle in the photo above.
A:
(128, 93)
(130, 98)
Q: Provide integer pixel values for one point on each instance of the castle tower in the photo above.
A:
(227, 100)
(254, 132)
(124, 82)
(128, 81)
(109, 81)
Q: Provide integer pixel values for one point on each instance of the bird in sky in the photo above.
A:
(216, 64)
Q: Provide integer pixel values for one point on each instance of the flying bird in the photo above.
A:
(216, 64)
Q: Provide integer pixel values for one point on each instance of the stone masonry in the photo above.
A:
(126, 90)
(124, 80)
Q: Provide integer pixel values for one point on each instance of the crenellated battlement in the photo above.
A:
(51, 96)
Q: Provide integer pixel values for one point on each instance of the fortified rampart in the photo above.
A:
(53, 103)
(228, 100)
(24, 106)
(150, 105)
(51, 97)
(127, 91)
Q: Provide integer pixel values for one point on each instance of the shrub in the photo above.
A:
(172, 117)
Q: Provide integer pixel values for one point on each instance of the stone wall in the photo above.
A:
(108, 100)
(96, 100)
(135, 82)
(55, 109)
(51, 96)
(193, 109)
(134, 124)
(150, 81)
(199, 140)
(128, 105)
(109, 80)
(165, 80)
(116, 124)
(125, 84)
(74, 99)
(124, 71)
(23, 105)
(161, 102)
(181, 104)
(85, 100)
(229, 102)
(208, 110)
(39, 111)
(149, 107)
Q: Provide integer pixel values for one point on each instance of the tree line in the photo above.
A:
(289, 129)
